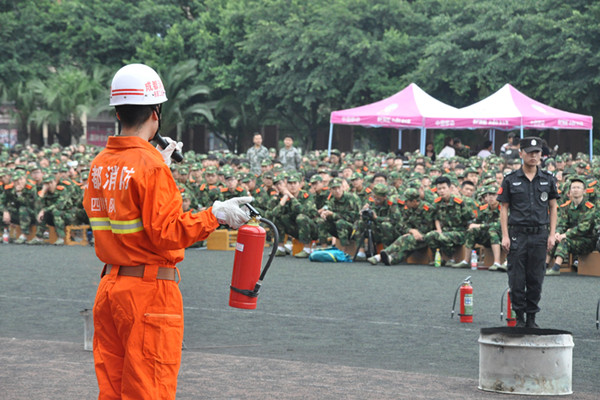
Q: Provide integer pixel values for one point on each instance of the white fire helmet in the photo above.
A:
(137, 84)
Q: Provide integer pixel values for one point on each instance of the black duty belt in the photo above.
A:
(532, 230)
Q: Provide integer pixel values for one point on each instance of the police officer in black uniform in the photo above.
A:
(528, 219)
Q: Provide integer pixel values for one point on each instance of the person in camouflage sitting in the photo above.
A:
(380, 214)
(452, 217)
(416, 219)
(19, 200)
(338, 215)
(56, 209)
(485, 230)
(295, 213)
(576, 226)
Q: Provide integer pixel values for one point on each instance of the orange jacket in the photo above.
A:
(134, 207)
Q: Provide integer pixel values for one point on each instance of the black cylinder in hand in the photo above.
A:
(176, 156)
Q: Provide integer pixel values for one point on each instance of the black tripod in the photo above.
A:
(367, 235)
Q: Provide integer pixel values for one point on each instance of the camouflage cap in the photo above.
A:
(267, 175)
(49, 178)
(335, 182)
(294, 177)
(266, 162)
(335, 152)
(411, 194)
(316, 178)
(279, 177)
(356, 175)
(210, 170)
(380, 189)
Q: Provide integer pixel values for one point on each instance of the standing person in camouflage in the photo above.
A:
(576, 227)
(295, 214)
(257, 153)
(452, 218)
(289, 156)
(380, 214)
(485, 230)
(338, 215)
(416, 219)
(19, 205)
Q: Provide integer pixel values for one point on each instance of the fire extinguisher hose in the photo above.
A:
(254, 293)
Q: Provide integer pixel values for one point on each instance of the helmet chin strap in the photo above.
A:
(158, 110)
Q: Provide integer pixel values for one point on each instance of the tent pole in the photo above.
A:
(423, 139)
(521, 131)
(493, 138)
(330, 139)
(399, 138)
(591, 145)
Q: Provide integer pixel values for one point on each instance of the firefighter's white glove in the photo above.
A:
(172, 146)
(229, 212)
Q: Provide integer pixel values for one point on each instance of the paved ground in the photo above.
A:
(321, 331)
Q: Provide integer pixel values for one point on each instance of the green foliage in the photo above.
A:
(293, 62)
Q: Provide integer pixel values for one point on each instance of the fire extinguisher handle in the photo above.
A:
(275, 244)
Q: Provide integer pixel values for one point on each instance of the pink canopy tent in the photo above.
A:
(508, 108)
(411, 107)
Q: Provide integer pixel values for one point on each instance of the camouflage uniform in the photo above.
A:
(290, 158)
(384, 225)
(345, 212)
(59, 211)
(297, 216)
(454, 216)
(489, 232)
(20, 205)
(579, 224)
(419, 218)
(256, 156)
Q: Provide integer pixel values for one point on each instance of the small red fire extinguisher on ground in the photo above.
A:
(245, 279)
(466, 301)
(511, 318)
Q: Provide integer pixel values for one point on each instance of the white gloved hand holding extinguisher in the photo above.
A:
(229, 212)
(172, 147)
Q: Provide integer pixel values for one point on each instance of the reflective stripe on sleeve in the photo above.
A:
(120, 227)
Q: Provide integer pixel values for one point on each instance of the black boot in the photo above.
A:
(520, 319)
(531, 321)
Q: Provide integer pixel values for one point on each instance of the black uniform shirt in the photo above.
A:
(528, 200)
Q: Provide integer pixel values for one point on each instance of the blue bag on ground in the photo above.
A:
(332, 254)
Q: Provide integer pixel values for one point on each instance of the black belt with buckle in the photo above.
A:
(531, 230)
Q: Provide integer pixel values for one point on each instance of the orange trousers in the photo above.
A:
(138, 333)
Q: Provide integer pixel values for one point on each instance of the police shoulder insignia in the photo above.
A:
(371, 199)
(566, 203)
(239, 189)
(306, 195)
(437, 200)
(28, 186)
(203, 186)
(390, 202)
(60, 187)
(224, 189)
(9, 186)
(457, 200)
(594, 183)
(499, 190)
(425, 207)
(368, 190)
(589, 205)
(328, 197)
(483, 207)
(401, 202)
(67, 183)
(589, 190)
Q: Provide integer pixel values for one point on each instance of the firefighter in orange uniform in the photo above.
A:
(140, 232)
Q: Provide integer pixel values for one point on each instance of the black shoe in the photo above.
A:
(520, 320)
(387, 260)
(531, 321)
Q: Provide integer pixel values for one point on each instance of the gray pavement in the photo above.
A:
(321, 331)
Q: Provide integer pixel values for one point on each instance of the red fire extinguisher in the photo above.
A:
(511, 318)
(245, 279)
(466, 301)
